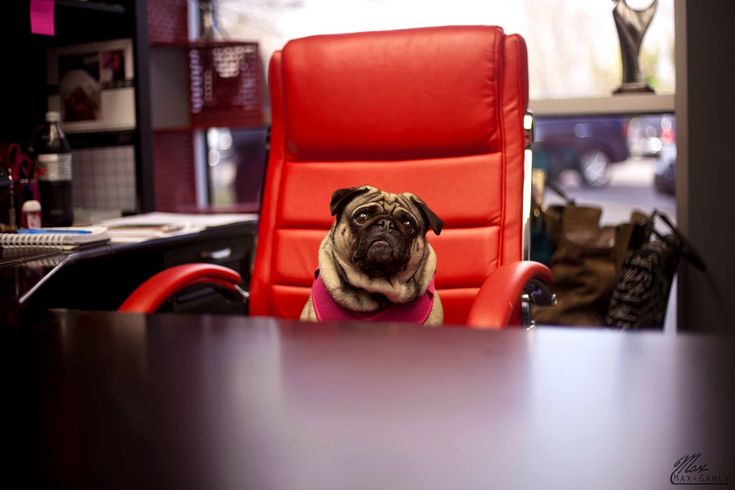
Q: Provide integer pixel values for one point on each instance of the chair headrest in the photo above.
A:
(413, 93)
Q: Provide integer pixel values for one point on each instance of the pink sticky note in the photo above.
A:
(42, 17)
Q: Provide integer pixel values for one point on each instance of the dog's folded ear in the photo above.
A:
(342, 197)
(435, 222)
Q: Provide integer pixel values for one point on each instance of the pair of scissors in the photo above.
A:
(21, 164)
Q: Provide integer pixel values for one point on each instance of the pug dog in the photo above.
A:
(375, 264)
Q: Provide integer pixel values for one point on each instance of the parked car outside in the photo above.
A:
(649, 134)
(664, 177)
(587, 145)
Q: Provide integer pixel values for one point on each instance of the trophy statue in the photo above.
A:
(631, 25)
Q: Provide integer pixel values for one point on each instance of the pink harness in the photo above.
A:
(327, 309)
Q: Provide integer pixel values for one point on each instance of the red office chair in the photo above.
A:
(438, 112)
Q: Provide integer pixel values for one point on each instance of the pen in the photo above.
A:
(51, 231)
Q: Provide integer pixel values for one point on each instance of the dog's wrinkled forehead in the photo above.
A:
(386, 204)
(346, 201)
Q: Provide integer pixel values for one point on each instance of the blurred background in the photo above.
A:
(617, 158)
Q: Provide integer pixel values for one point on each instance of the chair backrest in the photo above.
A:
(433, 111)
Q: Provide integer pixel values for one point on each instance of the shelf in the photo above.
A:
(199, 44)
(112, 8)
(612, 105)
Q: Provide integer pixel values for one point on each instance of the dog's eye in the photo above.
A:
(409, 224)
(361, 218)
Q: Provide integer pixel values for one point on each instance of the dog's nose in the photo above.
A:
(386, 224)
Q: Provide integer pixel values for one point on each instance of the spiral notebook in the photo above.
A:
(66, 238)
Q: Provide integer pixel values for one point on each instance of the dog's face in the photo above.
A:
(376, 253)
(381, 234)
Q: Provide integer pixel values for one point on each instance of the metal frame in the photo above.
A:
(144, 171)
(535, 292)
(528, 127)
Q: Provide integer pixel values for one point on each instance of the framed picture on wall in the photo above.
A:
(91, 85)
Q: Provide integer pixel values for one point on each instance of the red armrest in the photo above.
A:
(497, 304)
(152, 293)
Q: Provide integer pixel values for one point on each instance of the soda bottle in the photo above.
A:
(52, 158)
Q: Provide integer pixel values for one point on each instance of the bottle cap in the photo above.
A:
(52, 116)
(31, 206)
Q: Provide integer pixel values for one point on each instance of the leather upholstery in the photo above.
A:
(434, 111)
(501, 306)
(150, 295)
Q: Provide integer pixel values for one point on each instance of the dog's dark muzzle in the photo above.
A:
(382, 248)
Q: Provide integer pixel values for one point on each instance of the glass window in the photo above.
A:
(573, 46)
(618, 163)
(236, 159)
(609, 154)
(573, 49)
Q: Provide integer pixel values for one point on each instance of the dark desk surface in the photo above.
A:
(107, 400)
(102, 276)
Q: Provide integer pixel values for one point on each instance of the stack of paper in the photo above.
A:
(155, 225)
(66, 238)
